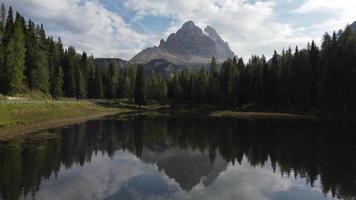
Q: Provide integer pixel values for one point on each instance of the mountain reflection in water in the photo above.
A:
(144, 157)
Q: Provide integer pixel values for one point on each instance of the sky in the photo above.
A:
(122, 28)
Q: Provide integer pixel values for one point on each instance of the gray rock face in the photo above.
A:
(162, 67)
(189, 45)
(353, 26)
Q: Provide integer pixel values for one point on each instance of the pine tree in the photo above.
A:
(15, 58)
(9, 27)
(242, 83)
(37, 71)
(315, 79)
(174, 88)
(81, 91)
(213, 83)
(98, 84)
(113, 76)
(85, 68)
(57, 84)
(184, 79)
(69, 69)
(2, 48)
(199, 91)
(140, 87)
(273, 85)
(214, 67)
(54, 62)
(227, 75)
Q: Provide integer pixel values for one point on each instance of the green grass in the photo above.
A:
(257, 115)
(22, 114)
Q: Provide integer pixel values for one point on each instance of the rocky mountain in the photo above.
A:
(353, 26)
(186, 166)
(190, 45)
(105, 62)
(162, 67)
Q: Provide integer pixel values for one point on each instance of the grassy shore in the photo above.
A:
(27, 117)
(21, 118)
(257, 115)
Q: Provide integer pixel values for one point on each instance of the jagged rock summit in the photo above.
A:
(190, 45)
(353, 26)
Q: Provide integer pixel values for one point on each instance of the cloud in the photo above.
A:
(86, 25)
(249, 28)
(340, 6)
(340, 13)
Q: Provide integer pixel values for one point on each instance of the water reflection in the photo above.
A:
(180, 158)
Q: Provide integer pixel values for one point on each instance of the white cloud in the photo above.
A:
(339, 6)
(340, 13)
(85, 25)
(242, 182)
(249, 28)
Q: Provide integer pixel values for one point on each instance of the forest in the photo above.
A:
(312, 79)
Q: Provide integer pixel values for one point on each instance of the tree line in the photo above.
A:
(320, 78)
(311, 79)
(32, 61)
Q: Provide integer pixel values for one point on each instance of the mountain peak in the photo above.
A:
(189, 45)
(353, 26)
(188, 24)
(212, 33)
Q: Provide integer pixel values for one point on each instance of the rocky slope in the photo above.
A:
(190, 45)
(353, 26)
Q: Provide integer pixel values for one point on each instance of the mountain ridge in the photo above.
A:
(189, 45)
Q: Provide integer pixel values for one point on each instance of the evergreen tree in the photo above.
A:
(214, 67)
(98, 91)
(140, 87)
(273, 85)
(113, 76)
(54, 62)
(57, 83)
(40, 75)
(174, 88)
(184, 86)
(200, 86)
(213, 92)
(81, 89)
(242, 83)
(69, 70)
(2, 48)
(15, 57)
(227, 75)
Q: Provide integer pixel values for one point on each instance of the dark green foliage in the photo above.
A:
(112, 80)
(15, 58)
(157, 88)
(57, 83)
(140, 87)
(2, 48)
(81, 90)
(213, 91)
(96, 89)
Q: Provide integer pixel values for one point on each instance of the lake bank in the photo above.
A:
(18, 119)
(259, 115)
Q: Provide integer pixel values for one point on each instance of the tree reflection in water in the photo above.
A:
(187, 149)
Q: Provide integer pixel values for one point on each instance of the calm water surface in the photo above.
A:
(144, 157)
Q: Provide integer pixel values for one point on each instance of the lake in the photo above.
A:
(181, 157)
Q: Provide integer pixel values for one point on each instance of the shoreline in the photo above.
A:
(31, 127)
(16, 130)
